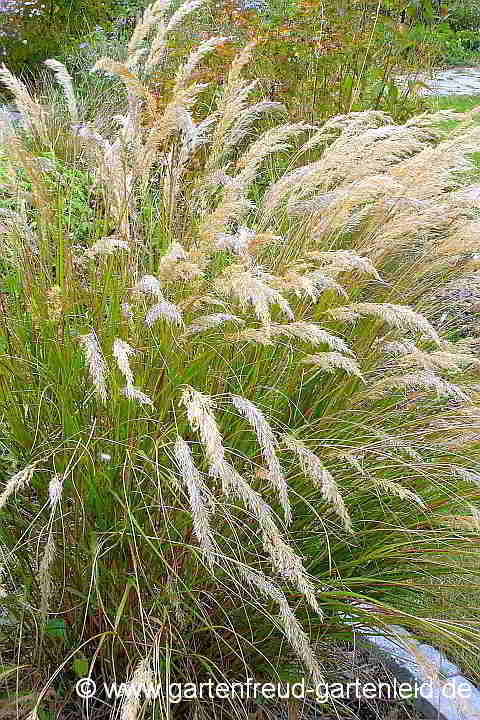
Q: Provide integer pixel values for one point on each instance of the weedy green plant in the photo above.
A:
(332, 57)
(230, 436)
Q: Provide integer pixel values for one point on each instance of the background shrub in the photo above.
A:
(170, 276)
(464, 15)
(40, 29)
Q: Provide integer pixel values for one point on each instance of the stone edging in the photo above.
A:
(448, 695)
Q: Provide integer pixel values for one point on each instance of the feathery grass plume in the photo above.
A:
(268, 442)
(215, 225)
(122, 351)
(307, 332)
(438, 360)
(106, 246)
(204, 192)
(398, 316)
(313, 468)
(142, 679)
(148, 285)
(272, 141)
(436, 169)
(120, 70)
(287, 184)
(426, 224)
(41, 194)
(193, 138)
(64, 79)
(130, 130)
(349, 159)
(312, 334)
(206, 322)
(118, 183)
(202, 420)
(294, 632)
(344, 209)
(158, 47)
(246, 119)
(299, 640)
(175, 118)
(201, 500)
(16, 482)
(463, 238)
(286, 562)
(311, 284)
(395, 488)
(164, 309)
(420, 380)
(352, 124)
(238, 243)
(133, 393)
(250, 286)
(355, 222)
(44, 575)
(397, 442)
(198, 302)
(373, 151)
(185, 71)
(231, 103)
(238, 63)
(97, 366)
(344, 261)
(174, 271)
(127, 313)
(152, 15)
(55, 488)
(395, 347)
(329, 361)
(33, 114)
(175, 253)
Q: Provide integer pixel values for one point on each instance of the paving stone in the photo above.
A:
(449, 697)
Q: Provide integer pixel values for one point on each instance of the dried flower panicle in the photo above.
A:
(313, 467)
(45, 581)
(55, 488)
(268, 443)
(16, 482)
(201, 501)
(96, 363)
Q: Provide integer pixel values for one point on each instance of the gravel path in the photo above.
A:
(454, 81)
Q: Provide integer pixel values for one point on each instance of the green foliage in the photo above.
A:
(460, 48)
(460, 103)
(326, 58)
(464, 14)
(103, 558)
(35, 36)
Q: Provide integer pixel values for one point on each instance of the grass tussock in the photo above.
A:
(232, 424)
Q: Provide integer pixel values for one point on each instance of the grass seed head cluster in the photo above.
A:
(230, 419)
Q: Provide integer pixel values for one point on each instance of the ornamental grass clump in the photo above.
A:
(230, 431)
